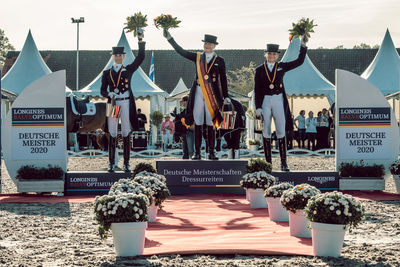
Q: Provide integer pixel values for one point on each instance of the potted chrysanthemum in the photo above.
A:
(330, 215)
(256, 183)
(295, 200)
(160, 193)
(130, 186)
(395, 171)
(153, 174)
(126, 215)
(273, 195)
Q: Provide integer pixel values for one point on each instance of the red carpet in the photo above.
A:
(212, 224)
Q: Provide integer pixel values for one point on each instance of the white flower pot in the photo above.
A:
(247, 195)
(129, 238)
(153, 209)
(276, 211)
(298, 224)
(396, 179)
(327, 239)
(256, 198)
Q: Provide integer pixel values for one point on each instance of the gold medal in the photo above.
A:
(127, 86)
(206, 77)
(126, 80)
(271, 86)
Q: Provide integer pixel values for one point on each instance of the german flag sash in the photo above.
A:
(208, 93)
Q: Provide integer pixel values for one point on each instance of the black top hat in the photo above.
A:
(118, 50)
(210, 39)
(272, 48)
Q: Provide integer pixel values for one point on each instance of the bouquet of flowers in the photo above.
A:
(129, 186)
(153, 174)
(395, 168)
(124, 207)
(297, 197)
(136, 22)
(160, 191)
(335, 208)
(277, 190)
(166, 22)
(302, 28)
(257, 180)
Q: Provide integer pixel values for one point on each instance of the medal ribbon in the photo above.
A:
(119, 76)
(212, 63)
(266, 71)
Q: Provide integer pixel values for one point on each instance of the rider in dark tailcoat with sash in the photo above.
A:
(271, 101)
(116, 84)
(208, 93)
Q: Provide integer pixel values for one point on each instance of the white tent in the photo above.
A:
(384, 70)
(305, 80)
(174, 97)
(28, 67)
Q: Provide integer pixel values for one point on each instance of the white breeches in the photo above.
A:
(272, 106)
(125, 122)
(200, 107)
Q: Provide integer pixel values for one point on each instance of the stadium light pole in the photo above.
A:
(77, 21)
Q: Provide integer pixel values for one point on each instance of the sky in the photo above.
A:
(245, 24)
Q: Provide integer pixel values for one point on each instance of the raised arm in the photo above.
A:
(186, 54)
(286, 66)
(138, 60)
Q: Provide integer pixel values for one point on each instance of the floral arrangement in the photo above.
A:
(297, 197)
(133, 23)
(277, 190)
(257, 165)
(160, 191)
(123, 207)
(257, 180)
(143, 166)
(395, 168)
(32, 172)
(166, 22)
(360, 170)
(129, 186)
(153, 174)
(302, 28)
(335, 208)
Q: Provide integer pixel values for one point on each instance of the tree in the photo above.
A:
(362, 46)
(339, 47)
(242, 80)
(5, 46)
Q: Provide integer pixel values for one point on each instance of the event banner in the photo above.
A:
(38, 133)
(364, 133)
(323, 180)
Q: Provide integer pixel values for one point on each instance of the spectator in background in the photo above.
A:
(167, 128)
(301, 128)
(188, 133)
(319, 131)
(311, 130)
(141, 119)
(325, 128)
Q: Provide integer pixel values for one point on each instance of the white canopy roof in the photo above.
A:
(179, 88)
(141, 85)
(305, 80)
(28, 67)
(384, 70)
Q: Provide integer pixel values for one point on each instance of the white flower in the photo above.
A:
(136, 216)
(331, 207)
(99, 207)
(338, 212)
(315, 212)
(140, 211)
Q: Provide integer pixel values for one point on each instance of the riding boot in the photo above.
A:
(211, 143)
(282, 152)
(267, 149)
(111, 153)
(233, 153)
(197, 142)
(127, 153)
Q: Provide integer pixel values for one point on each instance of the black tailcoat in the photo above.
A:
(217, 78)
(261, 83)
(126, 77)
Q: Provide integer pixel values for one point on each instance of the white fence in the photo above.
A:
(177, 153)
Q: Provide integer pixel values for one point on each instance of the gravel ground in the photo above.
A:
(65, 234)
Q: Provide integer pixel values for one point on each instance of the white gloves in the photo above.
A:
(259, 112)
(227, 100)
(112, 95)
(166, 34)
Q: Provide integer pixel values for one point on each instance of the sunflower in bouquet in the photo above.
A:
(166, 21)
(136, 23)
(302, 28)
